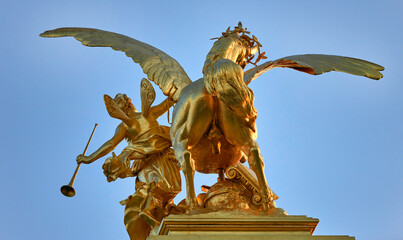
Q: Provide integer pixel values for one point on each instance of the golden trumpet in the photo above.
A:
(68, 190)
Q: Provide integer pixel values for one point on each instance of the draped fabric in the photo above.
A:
(154, 162)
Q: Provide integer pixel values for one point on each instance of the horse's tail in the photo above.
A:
(224, 79)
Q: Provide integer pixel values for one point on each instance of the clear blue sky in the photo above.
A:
(332, 144)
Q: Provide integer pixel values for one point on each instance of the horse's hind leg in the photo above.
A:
(192, 116)
(255, 160)
(189, 173)
(257, 165)
(183, 156)
(239, 133)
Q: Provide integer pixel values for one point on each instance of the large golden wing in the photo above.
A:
(316, 64)
(160, 68)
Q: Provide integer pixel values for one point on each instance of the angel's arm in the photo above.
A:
(161, 108)
(107, 147)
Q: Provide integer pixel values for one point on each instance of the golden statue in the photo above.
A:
(214, 120)
(149, 147)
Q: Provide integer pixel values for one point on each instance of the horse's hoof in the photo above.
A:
(191, 205)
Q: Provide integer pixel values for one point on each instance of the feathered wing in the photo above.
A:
(316, 64)
(160, 68)
(147, 95)
(114, 110)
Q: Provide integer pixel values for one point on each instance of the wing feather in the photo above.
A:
(316, 64)
(160, 68)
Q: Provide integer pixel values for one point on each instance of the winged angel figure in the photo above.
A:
(214, 120)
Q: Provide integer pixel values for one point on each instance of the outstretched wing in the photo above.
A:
(316, 64)
(160, 68)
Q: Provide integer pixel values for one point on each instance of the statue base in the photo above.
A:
(239, 225)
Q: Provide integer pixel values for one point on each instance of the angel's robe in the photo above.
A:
(154, 163)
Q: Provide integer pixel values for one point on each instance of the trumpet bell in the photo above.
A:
(68, 191)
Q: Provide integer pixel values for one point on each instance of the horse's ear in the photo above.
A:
(114, 110)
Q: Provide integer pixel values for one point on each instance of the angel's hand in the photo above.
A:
(83, 159)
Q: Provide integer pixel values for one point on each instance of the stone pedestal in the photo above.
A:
(237, 226)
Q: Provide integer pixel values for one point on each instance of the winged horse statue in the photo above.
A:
(214, 120)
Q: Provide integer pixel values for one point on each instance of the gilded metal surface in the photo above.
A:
(240, 190)
(214, 119)
(236, 222)
(249, 180)
(153, 162)
(228, 225)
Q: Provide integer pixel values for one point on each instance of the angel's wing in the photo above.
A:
(114, 110)
(316, 64)
(160, 68)
(147, 94)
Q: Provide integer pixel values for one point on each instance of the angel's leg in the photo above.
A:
(151, 212)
